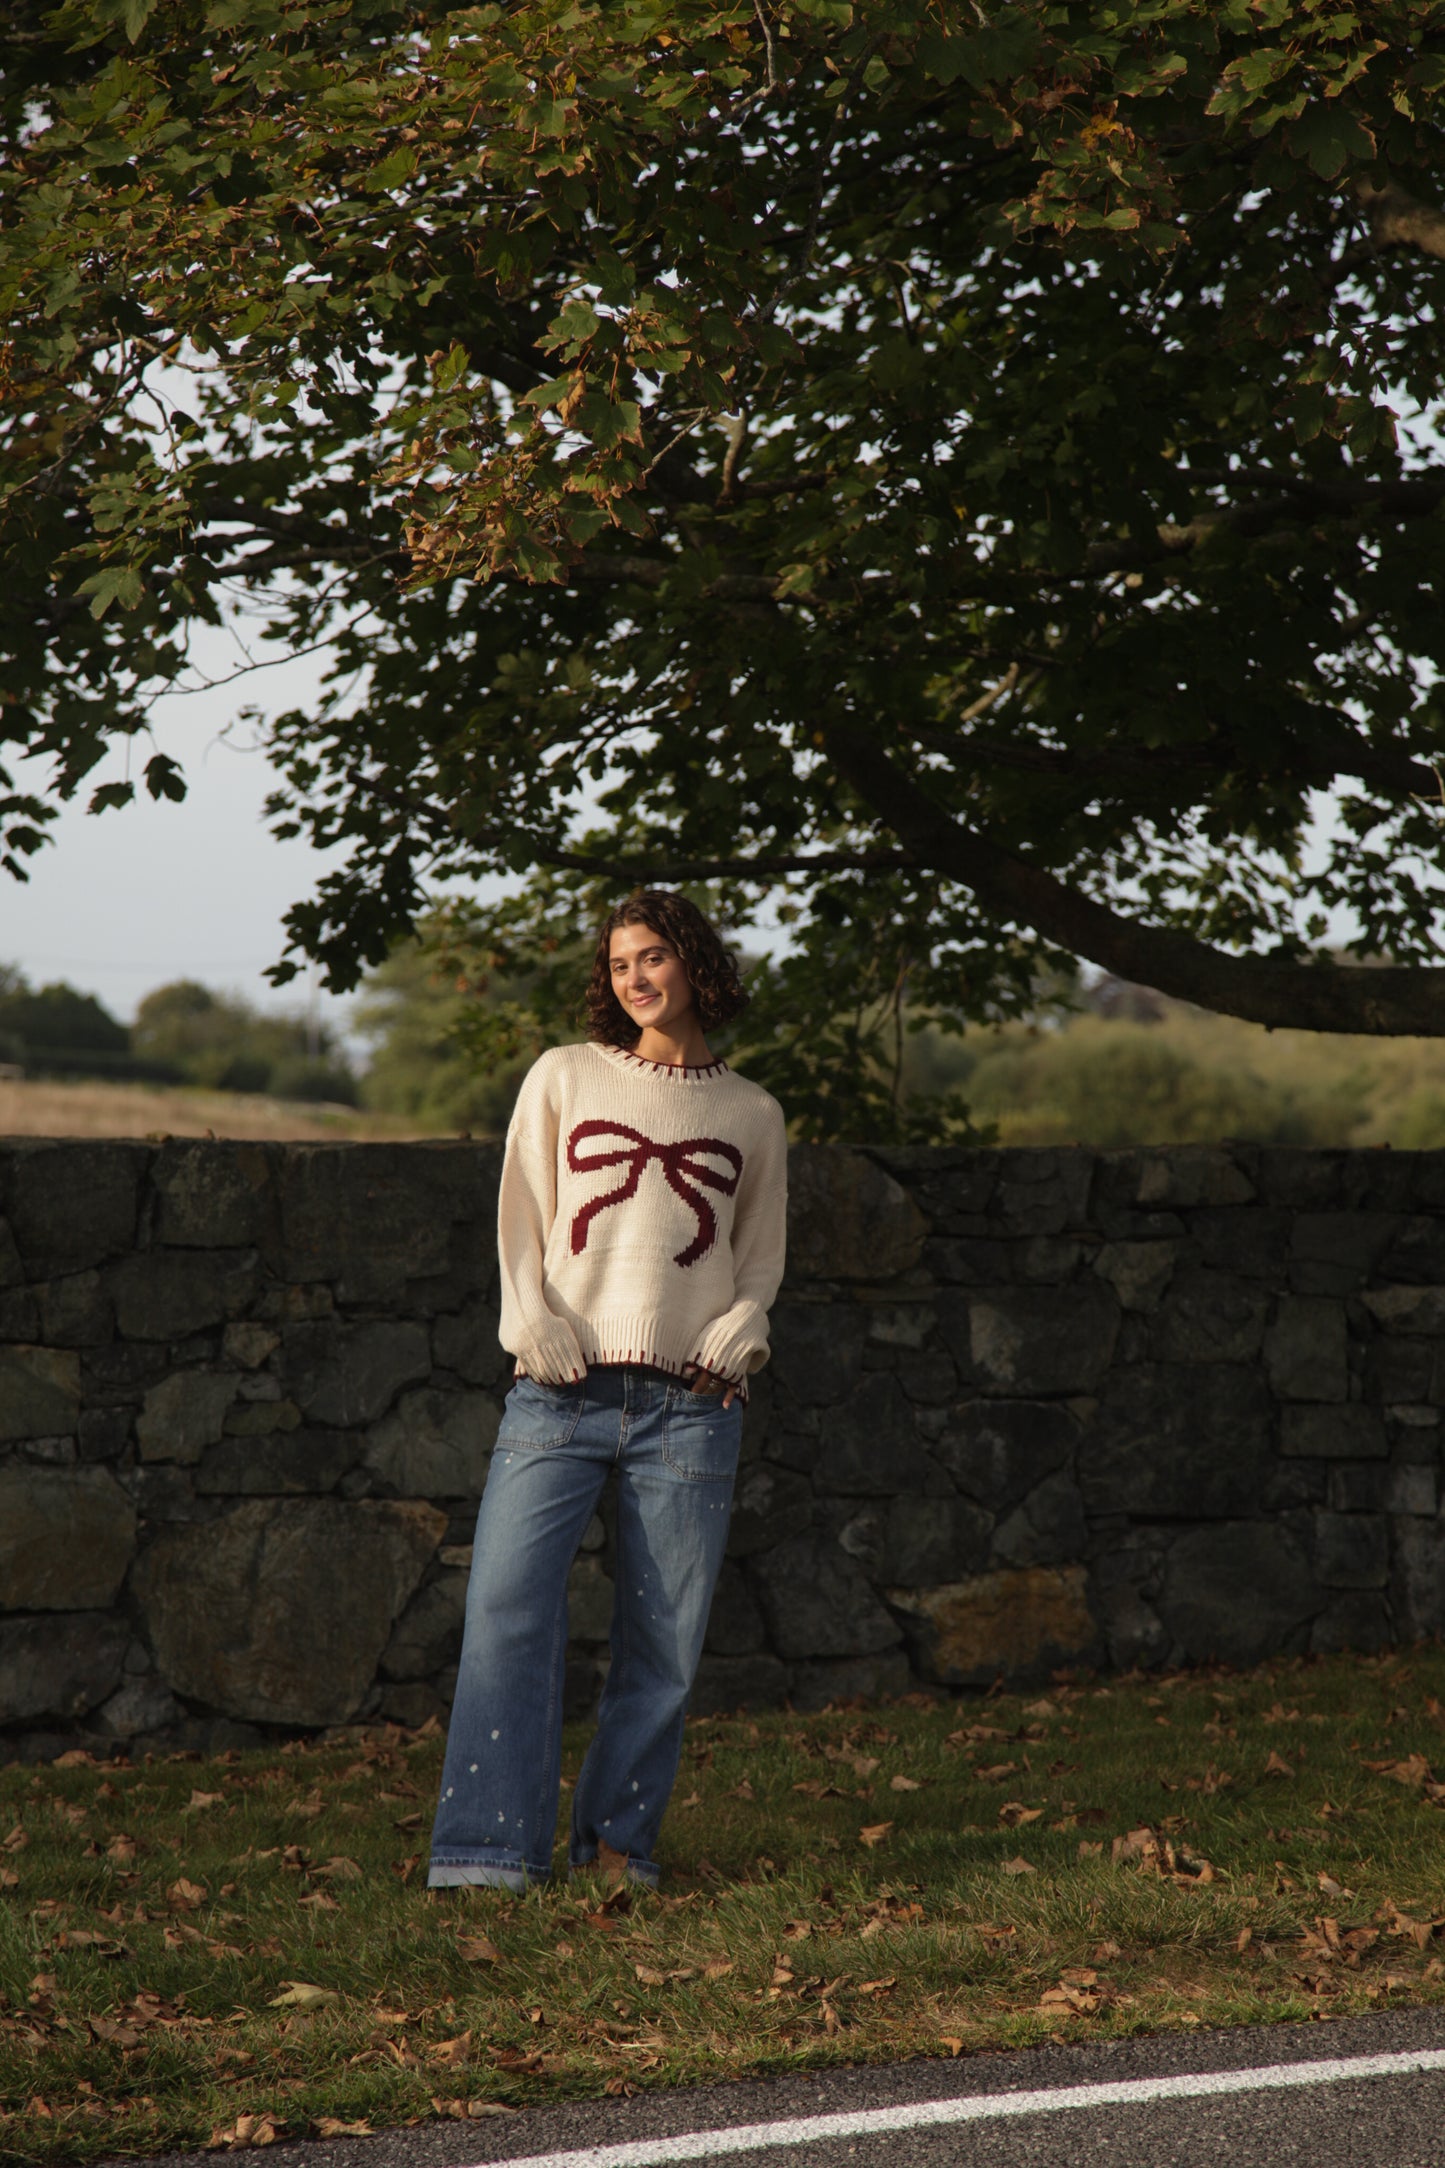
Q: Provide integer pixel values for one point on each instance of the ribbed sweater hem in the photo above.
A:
(638, 1340)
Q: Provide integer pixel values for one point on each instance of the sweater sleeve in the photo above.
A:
(737, 1342)
(544, 1344)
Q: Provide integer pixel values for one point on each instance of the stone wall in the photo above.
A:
(1027, 1409)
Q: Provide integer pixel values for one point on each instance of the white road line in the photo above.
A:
(979, 2108)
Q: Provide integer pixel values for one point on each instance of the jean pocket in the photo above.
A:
(700, 1437)
(539, 1415)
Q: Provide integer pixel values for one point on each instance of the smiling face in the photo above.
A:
(648, 977)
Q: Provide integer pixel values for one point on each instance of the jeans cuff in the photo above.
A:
(641, 1871)
(508, 1872)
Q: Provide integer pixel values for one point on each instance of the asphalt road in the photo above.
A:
(1393, 2120)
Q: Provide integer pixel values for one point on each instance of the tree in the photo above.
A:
(429, 1060)
(40, 1025)
(957, 479)
(223, 1044)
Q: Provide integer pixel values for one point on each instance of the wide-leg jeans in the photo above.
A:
(675, 1453)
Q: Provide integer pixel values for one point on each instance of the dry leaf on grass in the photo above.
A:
(302, 1995)
(332, 2126)
(451, 2054)
(906, 1784)
(693, 1799)
(878, 1987)
(247, 2130)
(796, 1930)
(1018, 1866)
(184, 1896)
(1013, 1813)
(478, 1950)
(997, 1773)
(338, 1869)
(1277, 1766)
(873, 1833)
(717, 1968)
(198, 1800)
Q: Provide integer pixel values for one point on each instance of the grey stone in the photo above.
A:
(59, 1667)
(927, 1540)
(1138, 1272)
(340, 1375)
(39, 1393)
(249, 1344)
(217, 1195)
(468, 1345)
(1306, 1350)
(929, 1379)
(1043, 1192)
(1037, 1340)
(75, 1311)
(1352, 1550)
(735, 1624)
(1402, 1371)
(1209, 1317)
(285, 1463)
(1133, 1630)
(278, 1612)
(590, 1596)
(66, 1538)
(1238, 1592)
(1017, 1624)
(769, 1504)
(1418, 1586)
(969, 1261)
(1176, 1442)
(872, 1449)
(370, 1217)
(169, 1294)
(19, 1315)
(72, 1205)
(1408, 1309)
(900, 1325)
(999, 1450)
(1359, 1621)
(1333, 1253)
(1250, 1240)
(817, 1603)
(104, 1433)
(851, 1678)
(847, 1218)
(435, 1444)
(724, 1683)
(183, 1415)
(1352, 1432)
(429, 1632)
(12, 1268)
(1417, 1253)
(1192, 1174)
(260, 1419)
(1047, 1529)
(140, 1705)
(1412, 1487)
(817, 1350)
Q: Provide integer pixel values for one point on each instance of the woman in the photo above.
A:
(641, 1227)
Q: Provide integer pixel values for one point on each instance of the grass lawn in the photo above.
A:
(223, 1951)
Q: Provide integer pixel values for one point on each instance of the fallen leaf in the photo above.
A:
(878, 1987)
(319, 1901)
(1413, 1772)
(122, 1849)
(997, 1773)
(332, 2126)
(1018, 1866)
(302, 1995)
(479, 1949)
(873, 1833)
(952, 2042)
(451, 2054)
(783, 1976)
(338, 1869)
(1013, 1813)
(741, 1791)
(717, 1968)
(694, 1799)
(1104, 1953)
(650, 1976)
(184, 1896)
(198, 1800)
(904, 1784)
(796, 1930)
(247, 2130)
(1277, 1766)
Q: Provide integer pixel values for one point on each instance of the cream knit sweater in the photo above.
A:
(642, 1216)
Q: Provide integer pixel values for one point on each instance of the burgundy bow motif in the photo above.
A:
(685, 1165)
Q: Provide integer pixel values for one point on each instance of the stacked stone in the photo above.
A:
(1027, 1409)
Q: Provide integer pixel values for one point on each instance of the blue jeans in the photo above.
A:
(676, 1454)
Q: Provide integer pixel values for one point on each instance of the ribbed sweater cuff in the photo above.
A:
(731, 1348)
(550, 1354)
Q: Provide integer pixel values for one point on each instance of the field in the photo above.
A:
(226, 1951)
(42, 1109)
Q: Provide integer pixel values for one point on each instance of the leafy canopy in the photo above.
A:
(957, 479)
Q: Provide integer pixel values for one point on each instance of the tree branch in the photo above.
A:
(1378, 999)
(1400, 220)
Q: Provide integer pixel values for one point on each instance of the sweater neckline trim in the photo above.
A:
(673, 1072)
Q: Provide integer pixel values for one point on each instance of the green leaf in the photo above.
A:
(115, 583)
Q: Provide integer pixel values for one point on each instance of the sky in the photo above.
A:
(124, 901)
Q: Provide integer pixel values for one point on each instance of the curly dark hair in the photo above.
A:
(718, 992)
